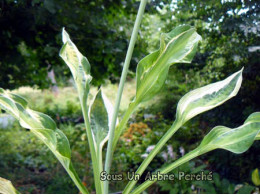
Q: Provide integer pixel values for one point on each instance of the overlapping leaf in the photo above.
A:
(42, 126)
(178, 46)
(6, 187)
(208, 97)
(100, 115)
(78, 64)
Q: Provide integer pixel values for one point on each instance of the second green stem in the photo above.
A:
(120, 89)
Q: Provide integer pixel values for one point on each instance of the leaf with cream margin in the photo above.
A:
(100, 115)
(177, 46)
(236, 140)
(43, 127)
(208, 97)
(78, 64)
(6, 187)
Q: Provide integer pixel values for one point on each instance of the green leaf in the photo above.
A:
(178, 46)
(208, 97)
(246, 189)
(256, 177)
(43, 127)
(236, 140)
(100, 116)
(78, 64)
(6, 187)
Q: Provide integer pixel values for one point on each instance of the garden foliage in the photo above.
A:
(177, 46)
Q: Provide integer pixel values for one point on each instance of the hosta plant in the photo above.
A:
(100, 116)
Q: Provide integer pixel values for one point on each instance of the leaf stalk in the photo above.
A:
(77, 180)
(175, 126)
(119, 130)
(93, 151)
(186, 158)
(120, 89)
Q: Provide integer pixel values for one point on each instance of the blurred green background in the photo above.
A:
(30, 40)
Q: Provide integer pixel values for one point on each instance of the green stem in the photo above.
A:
(152, 154)
(180, 161)
(100, 166)
(122, 124)
(91, 146)
(71, 171)
(121, 86)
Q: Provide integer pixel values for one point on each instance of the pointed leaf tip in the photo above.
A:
(65, 36)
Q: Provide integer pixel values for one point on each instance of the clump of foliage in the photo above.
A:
(30, 38)
(102, 125)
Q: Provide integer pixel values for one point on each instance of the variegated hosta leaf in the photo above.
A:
(236, 140)
(100, 115)
(78, 64)
(40, 125)
(6, 187)
(208, 97)
(178, 46)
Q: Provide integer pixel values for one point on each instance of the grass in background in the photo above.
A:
(38, 99)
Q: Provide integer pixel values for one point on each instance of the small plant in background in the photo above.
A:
(179, 185)
(136, 130)
(256, 177)
(100, 117)
(222, 186)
